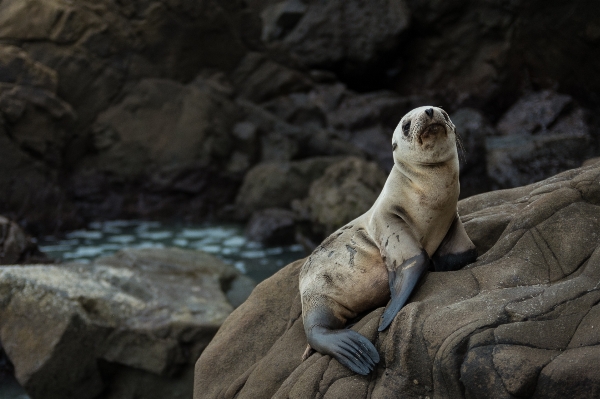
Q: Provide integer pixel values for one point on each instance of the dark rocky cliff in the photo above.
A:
(161, 108)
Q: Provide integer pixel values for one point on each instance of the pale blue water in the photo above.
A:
(226, 241)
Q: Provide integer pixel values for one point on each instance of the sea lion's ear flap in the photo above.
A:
(394, 145)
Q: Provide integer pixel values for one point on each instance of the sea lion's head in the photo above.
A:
(425, 135)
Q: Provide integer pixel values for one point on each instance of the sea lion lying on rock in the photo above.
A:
(412, 227)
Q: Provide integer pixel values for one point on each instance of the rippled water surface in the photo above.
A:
(226, 241)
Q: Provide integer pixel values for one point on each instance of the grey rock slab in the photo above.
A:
(333, 32)
(150, 311)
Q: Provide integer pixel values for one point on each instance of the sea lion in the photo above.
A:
(412, 227)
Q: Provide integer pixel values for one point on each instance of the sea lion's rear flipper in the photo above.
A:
(347, 346)
(456, 250)
(402, 283)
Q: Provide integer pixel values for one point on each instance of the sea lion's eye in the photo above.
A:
(446, 117)
(406, 128)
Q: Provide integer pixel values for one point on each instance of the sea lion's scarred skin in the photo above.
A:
(412, 227)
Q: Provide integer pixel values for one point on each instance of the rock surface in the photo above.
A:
(522, 321)
(16, 246)
(272, 226)
(541, 134)
(99, 99)
(332, 33)
(346, 190)
(69, 62)
(126, 326)
(276, 184)
(473, 129)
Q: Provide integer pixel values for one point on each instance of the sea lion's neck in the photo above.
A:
(441, 176)
(421, 186)
(425, 197)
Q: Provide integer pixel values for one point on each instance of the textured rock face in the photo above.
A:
(126, 326)
(540, 135)
(34, 130)
(273, 184)
(473, 129)
(16, 246)
(521, 321)
(71, 61)
(161, 140)
(272, 226)
(346, 190)
(162, 125)
(98, 99)
(333, 32)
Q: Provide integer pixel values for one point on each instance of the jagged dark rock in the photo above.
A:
(272, 226)
(312, 86)
(540, 135)
(16, 246)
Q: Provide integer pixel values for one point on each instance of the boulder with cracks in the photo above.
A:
(520, 321)
(126, 326)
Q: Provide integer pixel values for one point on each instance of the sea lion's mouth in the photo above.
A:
(431, 131)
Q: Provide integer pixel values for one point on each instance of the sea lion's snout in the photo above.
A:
(429, 112)
(431, 133)
(432, 130)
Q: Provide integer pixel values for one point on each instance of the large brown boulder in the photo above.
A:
(162, 124)
(126, 326)
(519, 322)
(346, 190)
(276, 184)
(162, 140)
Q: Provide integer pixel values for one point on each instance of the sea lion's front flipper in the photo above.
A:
(402, 283)
(325, 334)
(456, 250)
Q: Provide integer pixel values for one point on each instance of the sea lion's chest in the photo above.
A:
(429, 203)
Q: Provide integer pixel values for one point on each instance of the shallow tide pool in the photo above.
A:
(225, 241)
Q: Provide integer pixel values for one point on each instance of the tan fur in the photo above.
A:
(348, 272)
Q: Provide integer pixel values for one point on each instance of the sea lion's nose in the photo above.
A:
(429, 112)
